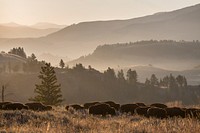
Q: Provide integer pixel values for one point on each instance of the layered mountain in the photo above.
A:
(82, 38)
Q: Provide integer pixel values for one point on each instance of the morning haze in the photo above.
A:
(99, 66)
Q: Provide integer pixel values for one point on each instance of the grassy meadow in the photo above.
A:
(61, 121)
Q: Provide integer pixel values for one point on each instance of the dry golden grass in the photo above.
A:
(61, 121)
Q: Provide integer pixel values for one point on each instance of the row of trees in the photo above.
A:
(18, 51)
(168, 81)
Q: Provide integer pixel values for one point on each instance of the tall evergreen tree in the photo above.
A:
(48, 92)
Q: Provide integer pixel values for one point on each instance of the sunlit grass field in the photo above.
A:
(61, 121)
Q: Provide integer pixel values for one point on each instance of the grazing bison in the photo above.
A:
(157, 112)
(102, 109)
(158, 105)
(142, 111)
(3, 103)
(88, 105)
(14, 106)
(114, 105)
(36, 106)
(129, 108)
(141, 104)
(175, 112)
(75, 107)
(192, 112)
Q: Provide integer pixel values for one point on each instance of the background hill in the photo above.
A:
(82, 38)
(13, 30)
(164, 54)
(11, 63)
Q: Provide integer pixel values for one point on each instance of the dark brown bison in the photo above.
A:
(88, 105)
(141, 104)
(102, 109)
(14, 106)
(158, 105)
(3, 103)
(192, 112)
(175, 112)
(142, 111)
(114, 105)
(37, 106)
(128, 108)
(75, 107)
(157, 112)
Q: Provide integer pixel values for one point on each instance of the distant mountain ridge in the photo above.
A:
(14, 30)
(82, 38)
(45, 25)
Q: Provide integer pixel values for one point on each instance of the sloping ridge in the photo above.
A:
(6, 57)
(101, 29)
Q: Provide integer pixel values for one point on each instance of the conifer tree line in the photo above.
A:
(18, 51)
(168, 81)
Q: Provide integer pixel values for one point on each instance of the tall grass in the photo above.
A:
(61, 121)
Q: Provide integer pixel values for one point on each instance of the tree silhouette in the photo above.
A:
(62, 64)
(110, 74)
(48, 92)
(132, 76)
(120, 76)
(180, 80)
(154, 80)
(18, 51)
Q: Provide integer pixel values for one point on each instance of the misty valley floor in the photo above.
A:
(62, 121)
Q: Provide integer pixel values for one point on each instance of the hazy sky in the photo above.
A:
(74, 11)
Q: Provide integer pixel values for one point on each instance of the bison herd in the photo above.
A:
(28, 106)
(156, 110)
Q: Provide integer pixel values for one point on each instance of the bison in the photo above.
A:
(158, 105)
(142, 111)
(3, 103)
(102, 109)
(175, 112)
(75, 107)
(141, 104)
(114, 105)
(88, 105)
(192, 112)
(129, 108)
(157, 113)
(14, 106)
(37, 106)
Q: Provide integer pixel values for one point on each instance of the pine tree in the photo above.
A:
(48, 92)
(62, 64)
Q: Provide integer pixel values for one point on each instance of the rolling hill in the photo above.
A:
(165, 54)
(11, 62)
